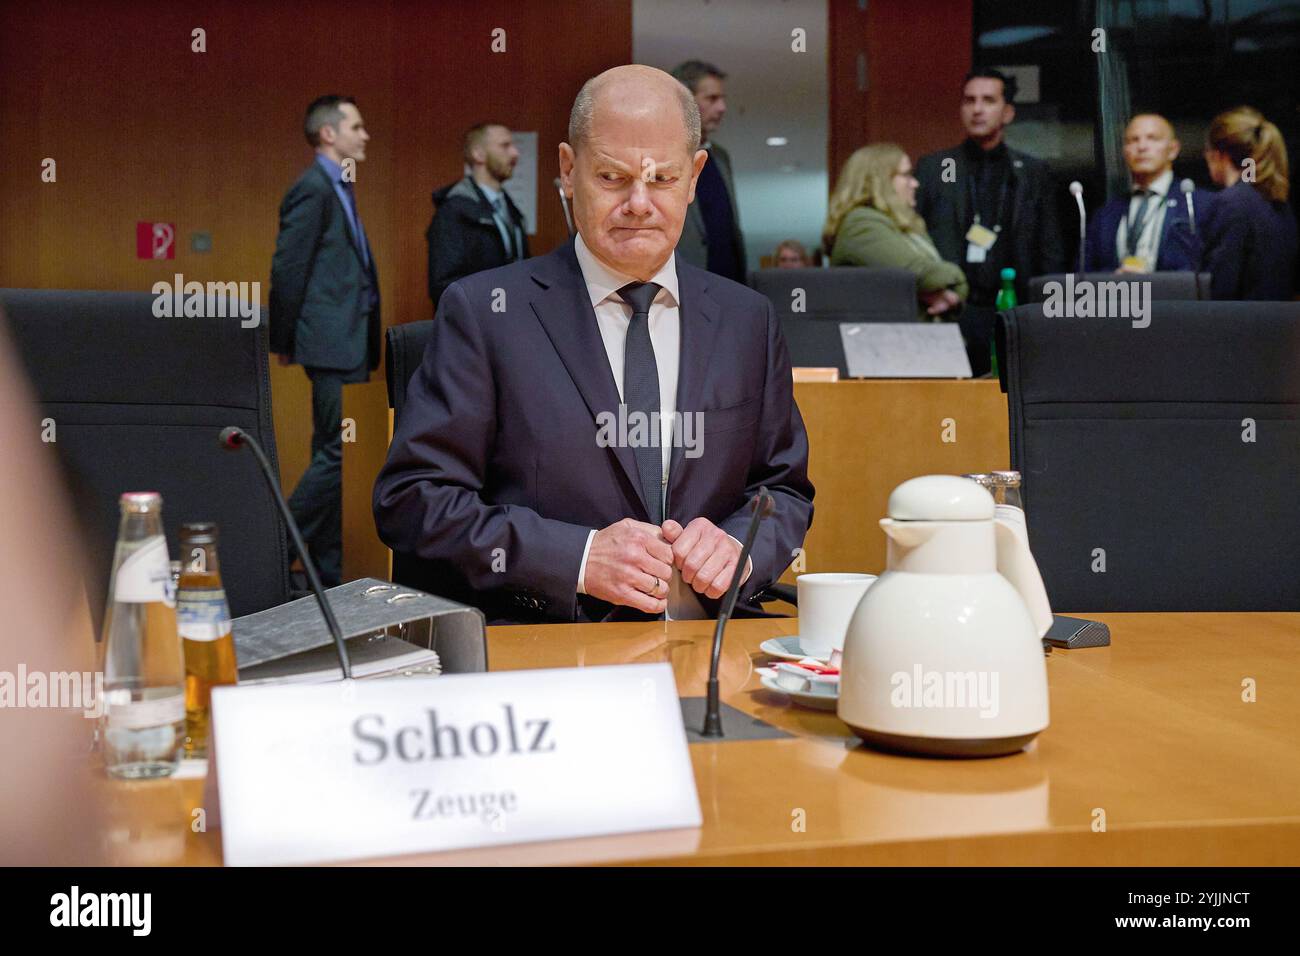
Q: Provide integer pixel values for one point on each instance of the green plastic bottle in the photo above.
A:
(1006, 300)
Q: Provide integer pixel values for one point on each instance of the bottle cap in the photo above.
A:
(1008, 273)
(1005, 477)
(138, 502)
(199, 532)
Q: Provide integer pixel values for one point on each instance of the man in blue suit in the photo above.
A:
(1149, 230)
(324, 310)
(587, 428)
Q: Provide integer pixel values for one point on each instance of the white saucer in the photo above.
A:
(812, 701)
(788, 649)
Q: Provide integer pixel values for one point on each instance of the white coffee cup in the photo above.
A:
(826, 602)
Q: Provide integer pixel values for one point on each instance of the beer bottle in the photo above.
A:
(143, 724)
(204, 619)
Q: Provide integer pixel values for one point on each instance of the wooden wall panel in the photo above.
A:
(867, 437)
(142, 128)
(916, 55)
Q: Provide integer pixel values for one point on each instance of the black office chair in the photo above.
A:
(137, 403)
(828, 297)
(1165, 286)
(404, 350)
(1160, 464)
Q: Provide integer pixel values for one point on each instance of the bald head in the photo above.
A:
(1154, 121)
(1150, 147)
(631, 165)
(631, 93)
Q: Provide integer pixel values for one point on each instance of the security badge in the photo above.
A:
(979, 241)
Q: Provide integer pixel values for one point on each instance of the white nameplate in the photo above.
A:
(335, 771)
(904, 350)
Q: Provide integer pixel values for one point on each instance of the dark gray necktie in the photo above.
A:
(641, 393)
(508, 226)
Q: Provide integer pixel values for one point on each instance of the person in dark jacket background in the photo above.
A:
(476, 224)
(324, 311)
(1250, 247)
(987, 206)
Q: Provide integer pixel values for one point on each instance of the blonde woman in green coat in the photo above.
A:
(872, 221)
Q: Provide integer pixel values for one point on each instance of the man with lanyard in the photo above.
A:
(1149, 230)
(988, 206)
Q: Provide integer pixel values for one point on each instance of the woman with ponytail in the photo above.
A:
(1250, 246)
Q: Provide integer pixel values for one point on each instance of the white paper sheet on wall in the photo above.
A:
(522, 186)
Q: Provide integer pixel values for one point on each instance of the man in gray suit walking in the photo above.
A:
(324, 311)
(711, 238)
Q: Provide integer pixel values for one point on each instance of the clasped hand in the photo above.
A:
(631, 562)
(940, 301)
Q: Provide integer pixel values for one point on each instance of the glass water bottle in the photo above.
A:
(143, 726)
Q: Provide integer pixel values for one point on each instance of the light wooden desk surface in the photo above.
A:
(1151, 731)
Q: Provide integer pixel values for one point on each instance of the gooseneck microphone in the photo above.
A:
(236, 438)
(1188, 187)
(761, 505)
(1076, 190)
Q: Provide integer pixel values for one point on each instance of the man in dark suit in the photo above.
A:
(476, 225)
(587, 428)
(988, 206)
(1150, 229)
(711, 236)
(324, 310)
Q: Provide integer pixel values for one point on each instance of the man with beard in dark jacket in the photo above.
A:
(476, 225)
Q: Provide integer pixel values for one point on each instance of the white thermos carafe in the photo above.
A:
(943, 655)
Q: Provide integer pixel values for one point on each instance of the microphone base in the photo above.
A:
(736, 724)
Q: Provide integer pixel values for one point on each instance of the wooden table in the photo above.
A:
(1152, 732)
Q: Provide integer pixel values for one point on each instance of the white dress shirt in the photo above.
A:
(1146, 245)
(613, 316)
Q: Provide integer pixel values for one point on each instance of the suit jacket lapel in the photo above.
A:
(696, 217)
(347, 224)
(724, 170)
(1015, 170)
(1174, 212)
(563, 306)
(961, 208)
(699, 317)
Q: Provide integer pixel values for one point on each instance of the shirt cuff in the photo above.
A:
(749, 562)
(582, 568)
